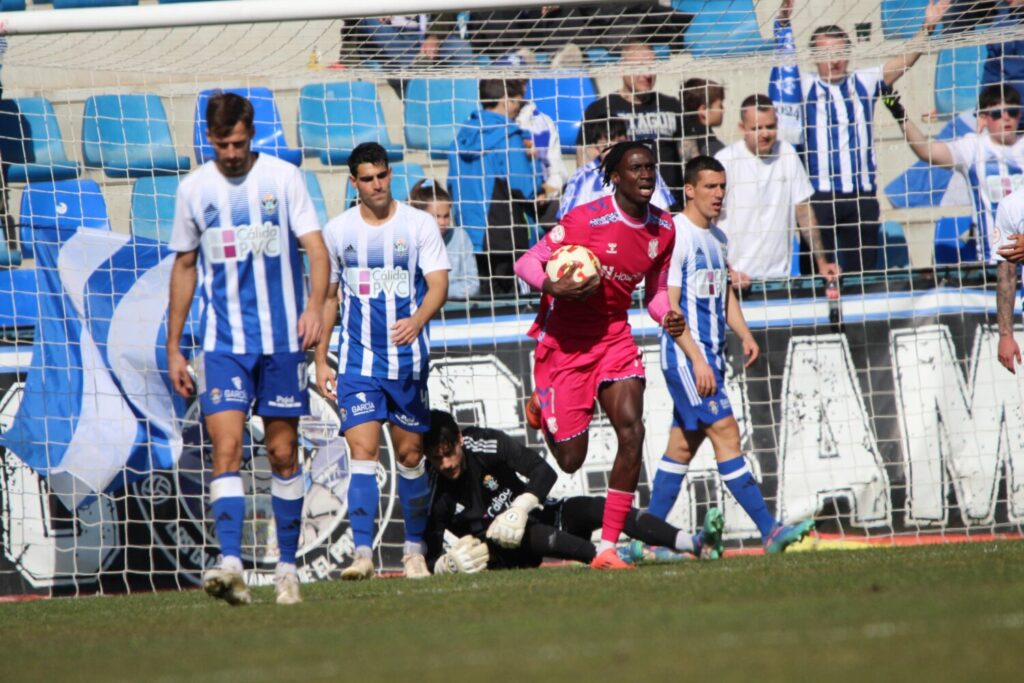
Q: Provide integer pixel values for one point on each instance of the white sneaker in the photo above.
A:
(227, 585)
(415, 566)
(361, 568)
(286, 588)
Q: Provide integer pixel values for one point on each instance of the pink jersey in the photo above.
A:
(629, 250)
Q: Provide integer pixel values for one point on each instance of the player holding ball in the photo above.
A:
(585, 348)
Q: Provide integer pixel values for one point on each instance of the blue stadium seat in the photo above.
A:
(128, 136)
(954, 242)
(153, 206)
(894, 252)
(317, 195)
(958, 74)
(335, 117)
(565, 100)
(74, 4)
(725, 27)
(901, 19)
(41, 157)
(403, 177)
(12, 5)
(600, 55)
(434, 108)
(269, 130)
(64, 206)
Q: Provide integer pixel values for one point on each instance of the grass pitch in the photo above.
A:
(936, 613)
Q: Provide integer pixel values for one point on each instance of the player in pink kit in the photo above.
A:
(585, 348)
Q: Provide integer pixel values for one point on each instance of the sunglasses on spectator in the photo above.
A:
(1012, 112)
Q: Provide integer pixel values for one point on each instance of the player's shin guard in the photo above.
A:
(286, 500)
(741, 483)
(668, 479)
(363, 499)
(616, 507)
(414, 495)
(227, 503)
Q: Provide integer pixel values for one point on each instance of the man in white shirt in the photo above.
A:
(1009, 224)
(768, 195)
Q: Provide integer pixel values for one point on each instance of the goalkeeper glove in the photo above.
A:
(891, 100)
(468, 555)
(507, 528)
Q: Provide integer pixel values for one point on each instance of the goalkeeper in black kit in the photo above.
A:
(478, 493)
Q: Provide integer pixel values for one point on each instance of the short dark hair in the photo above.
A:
(618, 153)
(367, 153)
(699, 164)
(493, 90)
(758, 101)
(224, 110)
(609, 129)
(997, 93)
(443, 432)
(700, 92)
(830, 31)
(427, 191)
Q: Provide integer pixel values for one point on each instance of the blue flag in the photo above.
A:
(784, 88)
(97, 410)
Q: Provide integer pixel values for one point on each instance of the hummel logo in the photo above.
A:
(612, 247)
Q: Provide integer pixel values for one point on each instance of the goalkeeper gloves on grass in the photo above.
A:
(468, 555)
(507, 528)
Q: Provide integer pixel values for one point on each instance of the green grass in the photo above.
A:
(936, 613)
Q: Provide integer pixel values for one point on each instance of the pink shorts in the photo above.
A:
(567, 382)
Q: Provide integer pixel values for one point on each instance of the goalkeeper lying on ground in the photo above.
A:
(477, 494)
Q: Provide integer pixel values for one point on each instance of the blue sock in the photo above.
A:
(227, 502)
(668, 479)
(286, 501)
(414, 494)
(363, 498)
(740, 480)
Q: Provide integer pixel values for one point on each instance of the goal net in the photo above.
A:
(878, 407)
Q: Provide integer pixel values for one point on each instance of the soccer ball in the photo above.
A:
(565, 257)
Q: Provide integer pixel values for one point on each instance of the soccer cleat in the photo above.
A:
(415, 566)
(534, 418)
(226, 585)
(711, 546)
(361, 568)
(609, 559)
(785, 536)
(638, 551)
(286, 588)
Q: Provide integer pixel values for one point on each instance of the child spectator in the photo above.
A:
(463, 281)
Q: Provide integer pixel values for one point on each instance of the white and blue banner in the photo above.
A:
(784, 88)
(97, 410)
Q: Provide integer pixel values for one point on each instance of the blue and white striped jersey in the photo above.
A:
(587, 184)
(380, 271)
(250, 267)
(838, 131)
(699, 269)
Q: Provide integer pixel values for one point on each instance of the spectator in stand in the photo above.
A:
(1004, 62)
(703, 109)
(587, 183)
(838, 109)
(463, 280)
(652, 116)
(493, 182)
(767, 196)
(544, 145)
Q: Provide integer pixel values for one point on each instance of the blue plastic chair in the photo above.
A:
(33, 142)
(128, 136)
(901, 19)
(19, 298)
(153, 206)
(317, 195)
(335, 117)
(403, 177)
(954, 242)
(958, 74)
(75, 4)
(12, 5)
(894, 252)
(269, 137)
(725, 27)
(64, 206)
(564, 100)
(434, 108)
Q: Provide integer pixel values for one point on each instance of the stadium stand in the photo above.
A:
(64, 206)
(42, 157)
(564, 99)
(901, 19)
(335, 117)
(12, 5)
(152, 213)
(954, 241)
(19, 298)
(958, 75)
(726, 27)
(269, 129)
(76, 4)
(128, 136)
(434, 108)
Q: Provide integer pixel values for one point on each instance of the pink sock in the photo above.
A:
(616, 507)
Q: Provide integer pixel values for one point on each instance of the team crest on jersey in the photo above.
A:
(713, 407)
(552, 425)
(490, 483)
(401, 248)
(652, 248)
(269, 202)
(342, 413)
(215, 396)
(557, 234)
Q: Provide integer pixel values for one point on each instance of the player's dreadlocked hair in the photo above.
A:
(617, 154)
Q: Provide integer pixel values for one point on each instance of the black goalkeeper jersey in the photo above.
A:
(491, 464)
